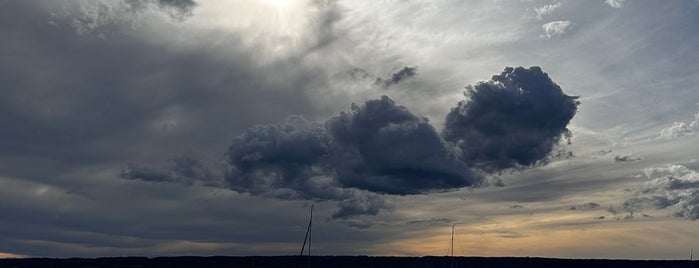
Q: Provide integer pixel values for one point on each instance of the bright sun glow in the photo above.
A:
(279, 3)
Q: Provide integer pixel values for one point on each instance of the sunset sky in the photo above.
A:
(208, 127)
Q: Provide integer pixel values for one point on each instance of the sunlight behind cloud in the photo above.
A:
(278, 3)
(275, 28)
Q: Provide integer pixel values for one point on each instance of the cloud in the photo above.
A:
(376, 148)
(403, 74)
(546, 9)
(177, 8)
(627, 158)
(184, 5)
(513, 120)
(357, 73)
(359, 205)
(381, 148)
(590, 205)
(673, 186)
(186, 169)
(615, 3)
(555, 28)
(101, 15)
(285, 160)
(679, 129)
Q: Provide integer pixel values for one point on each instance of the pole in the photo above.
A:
(310, 225)
(452, 245)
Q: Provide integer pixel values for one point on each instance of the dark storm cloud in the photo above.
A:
(513, 120)
(285, 160)
(378, 147)
(403, 74)
(382, 147)
(672, 186)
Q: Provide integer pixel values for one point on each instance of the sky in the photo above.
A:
(544, 128)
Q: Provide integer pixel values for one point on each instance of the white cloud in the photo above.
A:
(546, 9)
(668, 186)
(679, 129)
(555, 28)
(615, 3)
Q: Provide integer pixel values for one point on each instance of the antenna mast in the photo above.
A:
(691, 258)
(308, 238)
(451, 245)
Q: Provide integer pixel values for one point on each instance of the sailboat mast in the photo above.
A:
(310, 234)
(451, 245)
(307, 238)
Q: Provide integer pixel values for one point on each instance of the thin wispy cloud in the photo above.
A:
(556, 28)
(615, 3)
(546, 9)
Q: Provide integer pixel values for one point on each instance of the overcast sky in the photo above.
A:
(208, 127)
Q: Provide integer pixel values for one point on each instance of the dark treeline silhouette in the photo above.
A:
(338, 262)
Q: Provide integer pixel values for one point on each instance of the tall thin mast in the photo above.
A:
(691, 258)
(310, 234)
(308, 238)
(451, 245)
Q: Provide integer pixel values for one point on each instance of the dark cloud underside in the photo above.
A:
(513, 120)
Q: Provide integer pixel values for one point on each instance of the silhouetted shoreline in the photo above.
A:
(337, 261)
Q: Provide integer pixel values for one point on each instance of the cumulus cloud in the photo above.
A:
(671, 186)
(403, 74)
(546, 9)
(555, 28)
(679, 129)
(511, 121)
(385, 148)
(376, 148)
(615, 3)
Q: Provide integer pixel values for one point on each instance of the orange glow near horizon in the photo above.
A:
(548, 236)
(4, 255)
